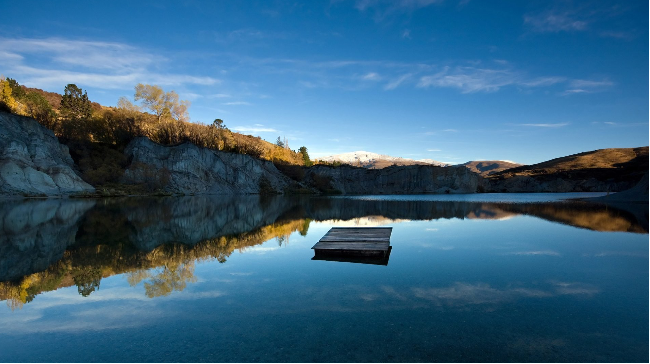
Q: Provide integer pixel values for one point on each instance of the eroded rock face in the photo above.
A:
(524, 184)
(192, 219)
(398, 180)
(33, 162)
(35, 233)
(187, 168)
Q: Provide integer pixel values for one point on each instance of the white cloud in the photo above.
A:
(470, 79)
(434, 150)
(254, 129)
(235, 103)
(218, 96)
(406, 34)
(9, 56)
(557, 125)
(53, 62)
(543, 81)
(590, 84)
(537, 252)
(553, 22)
(617, 35)
(587, 86)
(371, 76)
(398, 81)
(386, 7)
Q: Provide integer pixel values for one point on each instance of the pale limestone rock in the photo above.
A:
(33, 162)
(191, 169)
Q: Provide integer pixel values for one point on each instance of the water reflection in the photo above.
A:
(156, 242)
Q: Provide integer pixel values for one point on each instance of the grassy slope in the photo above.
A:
(485, 168)
(619, 164)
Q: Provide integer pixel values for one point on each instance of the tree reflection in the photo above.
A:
(173, 277)
(165, 269)
(159, 241)
(87, 279)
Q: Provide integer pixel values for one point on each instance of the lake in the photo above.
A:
(479, 278)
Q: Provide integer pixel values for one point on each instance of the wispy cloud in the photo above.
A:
(556, 125)
(536, 252)
(543, 81)
(384, 8)
(471, 79)
(590, 84)
(617, 34)
(406, 34)
(247, 35)
(48, 62)
(236, 103)
(587, 86)
(371, 76)
(434, 150)
(218, 96)
(398, 81)
(257, 128)
(555, 21)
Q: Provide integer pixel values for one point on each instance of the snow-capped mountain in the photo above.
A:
(374, 160)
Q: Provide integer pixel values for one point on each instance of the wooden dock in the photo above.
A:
(364, 242)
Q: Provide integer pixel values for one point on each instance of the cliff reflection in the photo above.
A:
(48, 244)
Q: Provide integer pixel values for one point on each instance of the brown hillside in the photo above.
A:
(612, 163)
(601, 158)
(485, 168)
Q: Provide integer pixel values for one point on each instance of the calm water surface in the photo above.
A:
(496, 278)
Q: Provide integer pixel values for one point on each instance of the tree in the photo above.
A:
(40, 109)
(7, 101)
(160, 103)
(305, 156)
(218, 123)
(75, 104)
(16, 90)
(279, 142)
(126, 105)
(75, 111)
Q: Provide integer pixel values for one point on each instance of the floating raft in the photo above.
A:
(360, 242)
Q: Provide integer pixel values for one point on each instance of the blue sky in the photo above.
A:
(447, 80)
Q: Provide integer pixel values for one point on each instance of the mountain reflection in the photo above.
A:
(48, 244)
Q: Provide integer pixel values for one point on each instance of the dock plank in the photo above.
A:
(355, 241)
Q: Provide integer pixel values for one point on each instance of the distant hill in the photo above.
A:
(614, 169)
(485, 168)
(635, 159)
(376, 161)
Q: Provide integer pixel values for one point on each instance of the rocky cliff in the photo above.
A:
(187, 169)
(395, 180)
(36, 233)
(32, 162)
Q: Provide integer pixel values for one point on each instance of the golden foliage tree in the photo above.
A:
(160, 103)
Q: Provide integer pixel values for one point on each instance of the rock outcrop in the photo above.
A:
(638, 193)
(525, 184)
(193, 219)
(189, 169)
(36, 233)
(395, 180)
(33, 162)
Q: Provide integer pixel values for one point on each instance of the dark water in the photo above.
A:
(231, 279)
